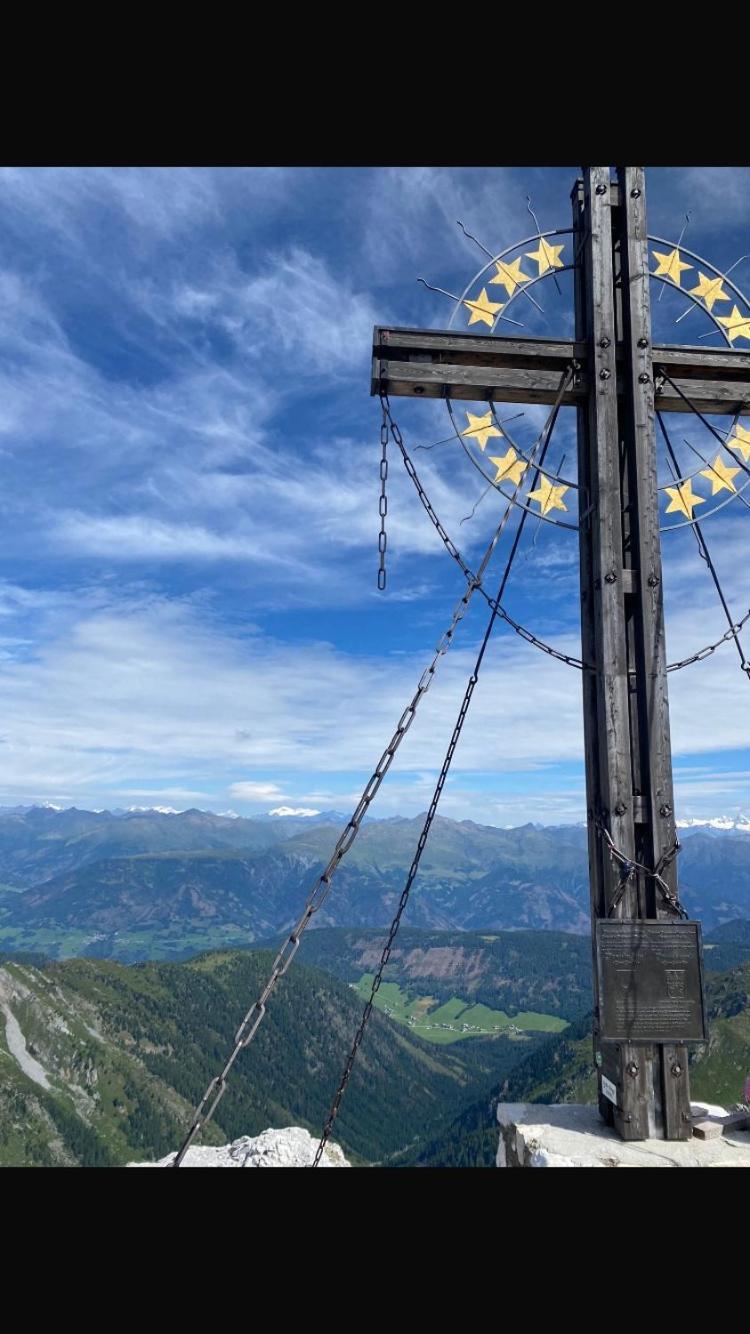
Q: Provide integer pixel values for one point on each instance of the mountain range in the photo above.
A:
(102, 1063)
(144, 885)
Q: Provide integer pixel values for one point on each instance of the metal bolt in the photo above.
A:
(628, 1117)
(652, 580)
(604, 342)
(643, 378)
(610, 577)
(604, 375)
(635, 194)
(676, 1070)
(601, 189)
(620, 808)
(643, 342)
(665, 810)
(632, 1068)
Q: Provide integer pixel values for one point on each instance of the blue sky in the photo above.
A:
(189, 460)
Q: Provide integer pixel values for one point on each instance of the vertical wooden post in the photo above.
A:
(655, 820)
(626, 718)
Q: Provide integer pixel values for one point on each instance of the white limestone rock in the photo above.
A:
(292, 1147)
(573, 1135)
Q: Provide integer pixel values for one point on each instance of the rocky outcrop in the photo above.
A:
(293, 1147)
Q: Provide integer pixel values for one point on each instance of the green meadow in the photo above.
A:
(454, 1020)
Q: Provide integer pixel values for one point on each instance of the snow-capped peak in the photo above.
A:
(160, 810)
(293, 810)
(738, 822)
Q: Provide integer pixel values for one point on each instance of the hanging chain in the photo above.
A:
(383, 505)
(705, 555)
(250, 1024)
(629, 866)
(519, 629)
(454, 552)
(496, 610)
(711, 648)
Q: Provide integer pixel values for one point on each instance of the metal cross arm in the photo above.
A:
(423, 363)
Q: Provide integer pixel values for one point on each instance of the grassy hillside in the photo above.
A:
(119, 1056)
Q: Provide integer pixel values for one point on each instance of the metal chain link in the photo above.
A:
(454, 552)
(629, 866)
(496, 610)
(383, 505)
(519, 629)
(705, 554)
(249, 1026)
(711, 648)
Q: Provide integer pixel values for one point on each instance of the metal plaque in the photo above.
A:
(650, 982)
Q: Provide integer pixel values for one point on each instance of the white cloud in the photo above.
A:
(248, 791)
(154, 688)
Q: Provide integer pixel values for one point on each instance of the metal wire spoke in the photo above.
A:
(706, 423)
(457, 729)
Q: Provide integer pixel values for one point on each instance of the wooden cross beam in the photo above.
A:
(422, 363)
(638, 946)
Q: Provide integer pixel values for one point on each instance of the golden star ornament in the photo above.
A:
(670, 266)
(736, 325)
(741, 441)
(481, 429)
(684, 499)
(720, 476)
(510, 275)
(509, 468)
(547, 256)
(710, 289)
(483, 310)
(549, 496)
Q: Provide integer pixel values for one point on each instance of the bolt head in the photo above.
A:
(610, 577)
(676, 1070)
(643, 378)
(620, 808)
(604, 375)
(665, 810)
(601, 189)
(635, 194)
(604, 342)
(643, 342)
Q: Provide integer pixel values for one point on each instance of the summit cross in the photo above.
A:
(648, 978)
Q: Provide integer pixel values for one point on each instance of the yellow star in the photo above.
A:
(509, 468)
(709, 289)
(509, 275)
(670, 266)
(547, 256)
(741, 441)
(481, 428)
(549, 496)
(683, 499)
(736, 325)
(720, 476)
(482, 309)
